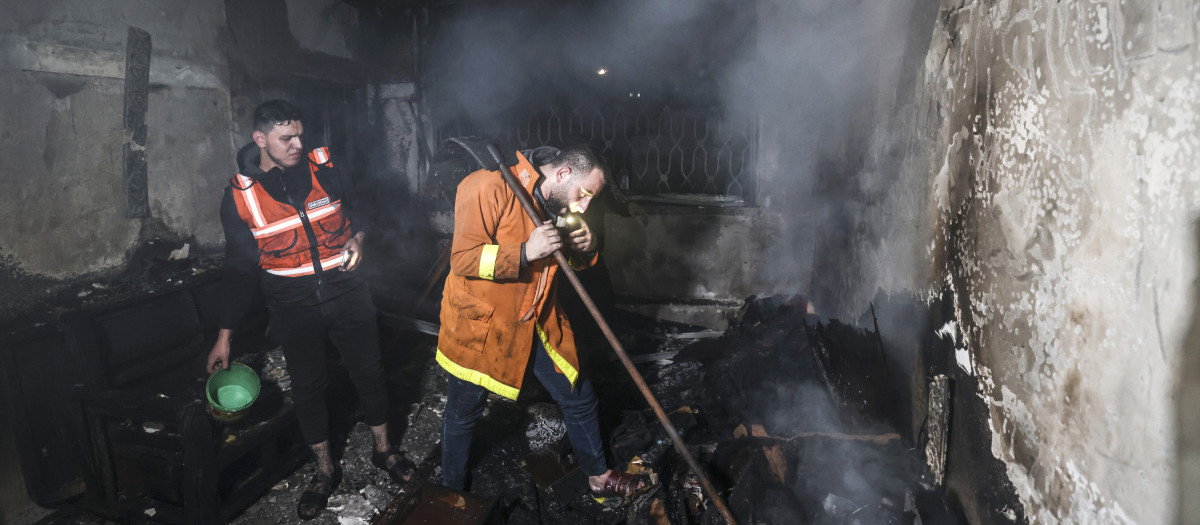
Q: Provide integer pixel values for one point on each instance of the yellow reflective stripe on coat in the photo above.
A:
(487, 261)
(559, 360)
(476, 377)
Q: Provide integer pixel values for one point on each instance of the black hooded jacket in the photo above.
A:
(242, 274)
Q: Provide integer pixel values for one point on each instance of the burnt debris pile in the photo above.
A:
(794, 418)
(789, 414)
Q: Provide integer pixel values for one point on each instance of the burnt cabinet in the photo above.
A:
(109, 402)
(38, 379)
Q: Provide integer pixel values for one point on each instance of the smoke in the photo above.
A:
(825, 81)
(818, 413)
(832, 472)
(823, 78)
(820, 77)
(488, 60)
(805, 75)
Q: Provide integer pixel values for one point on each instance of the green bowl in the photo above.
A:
(232, 391)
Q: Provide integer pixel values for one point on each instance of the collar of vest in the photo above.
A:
(247, 161)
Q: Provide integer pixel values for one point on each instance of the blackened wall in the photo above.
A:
(1035, 177)
(62, 91)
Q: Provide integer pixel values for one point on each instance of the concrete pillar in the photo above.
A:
(399, 109)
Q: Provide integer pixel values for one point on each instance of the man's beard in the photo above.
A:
(556, 200)
(280, 162)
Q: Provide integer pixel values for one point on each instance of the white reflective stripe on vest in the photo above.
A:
(251, 200)
(294, 222)
(321, 156)
(308, 268)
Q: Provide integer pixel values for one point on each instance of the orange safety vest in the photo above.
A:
(284, 247)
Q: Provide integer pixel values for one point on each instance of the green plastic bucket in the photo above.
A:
(231, 392)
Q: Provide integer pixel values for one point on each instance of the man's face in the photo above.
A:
(574, 195)
(281, 146)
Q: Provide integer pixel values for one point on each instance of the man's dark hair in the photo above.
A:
(581, 158)
(274, 113)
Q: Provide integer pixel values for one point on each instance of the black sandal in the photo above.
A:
(316, 496)
(399, 469)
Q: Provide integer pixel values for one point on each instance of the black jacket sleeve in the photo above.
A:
(241, 273)
(337, 182)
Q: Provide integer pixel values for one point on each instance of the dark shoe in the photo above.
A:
(316, 495)
(623, 484)
(398, 467)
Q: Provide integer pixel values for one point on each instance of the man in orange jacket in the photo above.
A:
(499, 310)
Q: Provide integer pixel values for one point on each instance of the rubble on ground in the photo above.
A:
(363, 493)
(771, 409)
(787, 413)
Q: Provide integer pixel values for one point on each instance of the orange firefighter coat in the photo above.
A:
(491, 309)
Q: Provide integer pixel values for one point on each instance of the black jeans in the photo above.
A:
(349, 322)
(464, 406)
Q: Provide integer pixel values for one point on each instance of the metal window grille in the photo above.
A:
(664, 151)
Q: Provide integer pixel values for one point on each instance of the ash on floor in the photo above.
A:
(363, 493)
(767, 409)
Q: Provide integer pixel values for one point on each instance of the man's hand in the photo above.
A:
(218, 357)
(542, 242)
(353, 251)
(582, 240)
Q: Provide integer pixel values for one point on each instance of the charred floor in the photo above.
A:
(793, 418)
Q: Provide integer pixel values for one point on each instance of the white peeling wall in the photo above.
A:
(1062, 190)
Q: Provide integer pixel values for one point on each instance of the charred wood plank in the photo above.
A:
(759, 432)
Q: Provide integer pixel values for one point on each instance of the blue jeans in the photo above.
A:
(464, 405)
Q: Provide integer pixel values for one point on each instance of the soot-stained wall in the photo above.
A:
(1017, 174)
(62, 92)
(1043, 164)
(669, 257)
(64, 68)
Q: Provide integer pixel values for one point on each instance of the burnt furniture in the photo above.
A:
(155, 450)
(109, 401)
(36, 381)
